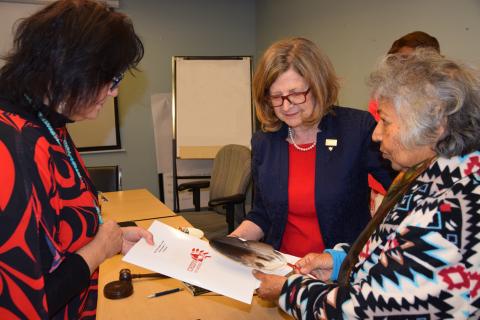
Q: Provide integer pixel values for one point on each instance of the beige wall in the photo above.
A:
(354, 34)
(168, 28)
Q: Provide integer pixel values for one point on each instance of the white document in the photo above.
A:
(186, 258)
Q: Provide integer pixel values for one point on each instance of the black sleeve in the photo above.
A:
(71, 277)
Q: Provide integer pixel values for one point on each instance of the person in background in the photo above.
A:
(404, 45)
(311, 159)
(418, 258)
(413, 40)
(67, 59)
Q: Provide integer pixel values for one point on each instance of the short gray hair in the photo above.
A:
(428, 91)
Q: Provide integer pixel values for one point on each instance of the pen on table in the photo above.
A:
(162, 293)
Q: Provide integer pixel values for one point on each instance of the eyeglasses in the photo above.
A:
(116, 81)
(293, 98)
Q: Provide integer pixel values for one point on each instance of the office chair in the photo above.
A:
(231, 176)
(106, 178)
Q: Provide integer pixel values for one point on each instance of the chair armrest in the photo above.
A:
(194, 185)
(237, 198)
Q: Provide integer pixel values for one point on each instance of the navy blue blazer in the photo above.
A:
(341, 184)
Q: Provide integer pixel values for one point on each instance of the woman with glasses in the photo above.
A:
(404, 45)
(419, 256)
(311, 158)
(67, 59)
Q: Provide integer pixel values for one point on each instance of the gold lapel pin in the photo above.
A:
(330, 143)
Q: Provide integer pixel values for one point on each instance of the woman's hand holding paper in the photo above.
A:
(271, 285)
(320, 265)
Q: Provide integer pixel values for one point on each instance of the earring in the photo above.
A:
(61, 107)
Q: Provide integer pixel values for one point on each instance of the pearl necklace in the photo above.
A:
(310, 147)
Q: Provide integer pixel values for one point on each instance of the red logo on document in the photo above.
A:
(198, 256)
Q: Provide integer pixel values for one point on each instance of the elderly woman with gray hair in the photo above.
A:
(419, 257)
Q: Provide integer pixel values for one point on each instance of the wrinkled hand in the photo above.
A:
(319, 265)
(270, 286)
(109, 238)
(131, 235)
(106, 243)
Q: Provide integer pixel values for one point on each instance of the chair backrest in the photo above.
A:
(231, 171)
(106, 178)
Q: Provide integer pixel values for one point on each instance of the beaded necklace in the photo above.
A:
(310, 147)
(68, 151)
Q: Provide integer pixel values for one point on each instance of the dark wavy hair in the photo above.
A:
(67, 53)
(416, 39)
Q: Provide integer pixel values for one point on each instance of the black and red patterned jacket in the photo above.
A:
(46, 214)
(422, 262)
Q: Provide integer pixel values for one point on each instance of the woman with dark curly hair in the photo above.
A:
(67, 59)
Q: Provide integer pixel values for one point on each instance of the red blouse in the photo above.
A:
(302, 232)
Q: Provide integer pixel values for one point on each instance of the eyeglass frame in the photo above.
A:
(116, 81)
(287, 97)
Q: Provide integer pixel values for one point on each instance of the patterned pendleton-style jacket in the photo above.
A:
(423, 262)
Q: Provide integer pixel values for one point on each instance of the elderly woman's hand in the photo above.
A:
(319, 265)
(270, 286)
(131, 235)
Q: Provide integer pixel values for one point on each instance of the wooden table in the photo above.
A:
(132, 205)
(181, 305)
